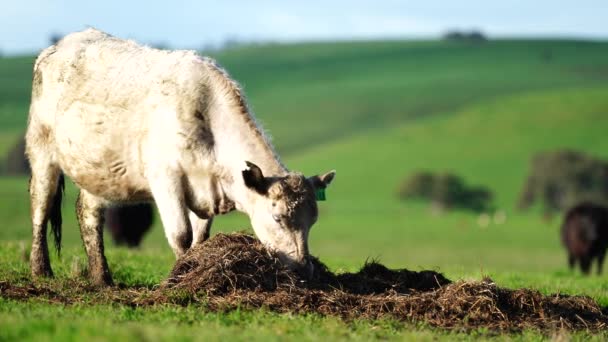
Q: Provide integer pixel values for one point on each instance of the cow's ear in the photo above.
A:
(254, 179)
(322, 181)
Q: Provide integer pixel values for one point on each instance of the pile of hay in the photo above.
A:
(227, 263)
(231, 271)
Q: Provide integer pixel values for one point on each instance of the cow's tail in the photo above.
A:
(55, 214)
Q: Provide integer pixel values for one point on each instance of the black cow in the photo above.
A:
(129, 223)
(585, 235)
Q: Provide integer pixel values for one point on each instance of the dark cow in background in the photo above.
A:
(129, 223)
(585, 235)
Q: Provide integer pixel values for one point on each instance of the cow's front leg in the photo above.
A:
(90, 213)
(201, 228)
(169, 196)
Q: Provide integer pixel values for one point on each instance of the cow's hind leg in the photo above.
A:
(43, 189)
(201, 228)
(90, 212)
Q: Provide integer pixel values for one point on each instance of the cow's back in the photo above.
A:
(95, 68)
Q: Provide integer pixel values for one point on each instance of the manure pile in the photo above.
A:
(230, 271)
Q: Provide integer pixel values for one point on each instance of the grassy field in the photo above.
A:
(374, 111)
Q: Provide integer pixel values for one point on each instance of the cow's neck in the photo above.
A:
(237, 138)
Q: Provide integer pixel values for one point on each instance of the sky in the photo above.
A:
(26, 25)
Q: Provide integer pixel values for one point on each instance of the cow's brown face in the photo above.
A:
(285, 209)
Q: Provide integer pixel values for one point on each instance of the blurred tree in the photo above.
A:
(453, 35)
(476, 36)
(418, 185)
(459, 36)
(446, 191)
(560, 179)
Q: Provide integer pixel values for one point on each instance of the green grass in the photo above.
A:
(374, 111)
(189, 323)
(173, 323)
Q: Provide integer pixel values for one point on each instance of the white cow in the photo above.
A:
(128, 123)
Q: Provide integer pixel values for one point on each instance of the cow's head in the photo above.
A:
(284, 210)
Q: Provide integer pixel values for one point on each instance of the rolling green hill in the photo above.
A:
(308, 94)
